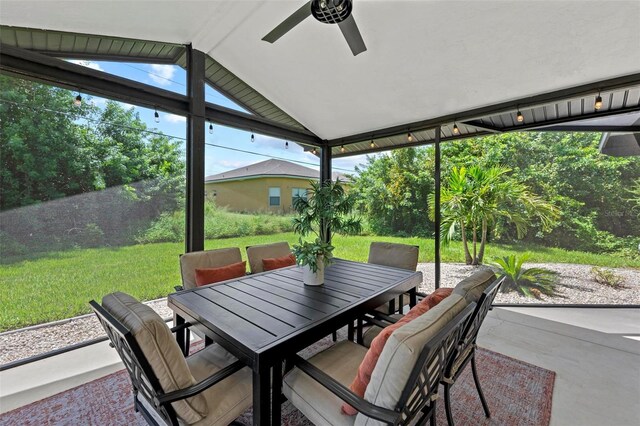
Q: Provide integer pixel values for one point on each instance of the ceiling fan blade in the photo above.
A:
(286, 25)
(352, 34)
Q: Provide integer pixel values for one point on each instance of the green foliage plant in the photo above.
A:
(474, 199)
(529, 282)
(607, 277)
(327, 210)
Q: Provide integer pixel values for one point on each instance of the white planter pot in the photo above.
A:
(313, 278)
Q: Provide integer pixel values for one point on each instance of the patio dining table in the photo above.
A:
(263, 318)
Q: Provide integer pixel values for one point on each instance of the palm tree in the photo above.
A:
(474, 199)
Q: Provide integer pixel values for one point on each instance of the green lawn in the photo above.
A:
(58, 285)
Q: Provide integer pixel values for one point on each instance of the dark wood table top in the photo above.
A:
(274, 313)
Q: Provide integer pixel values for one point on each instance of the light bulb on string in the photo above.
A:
(156, 116)
(456, 131)
(286, 145)
(78, 100)
(598, 103)
(253, 138)
(210, 128)
(313, 151)
(409, 137)
(372, 144)
(519, 117)
(342, 149)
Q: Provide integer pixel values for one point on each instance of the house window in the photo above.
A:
(274, 196)
(298, 192)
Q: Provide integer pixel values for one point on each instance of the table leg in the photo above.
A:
(359, 338)
(412, 297)
(181, 336)
(261, 396)
(350, 331)
(276, 394)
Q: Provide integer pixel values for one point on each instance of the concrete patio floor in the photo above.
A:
(594, 352)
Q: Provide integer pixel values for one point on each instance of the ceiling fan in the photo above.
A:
(328, 12)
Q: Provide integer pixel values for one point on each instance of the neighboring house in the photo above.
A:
(268, 186)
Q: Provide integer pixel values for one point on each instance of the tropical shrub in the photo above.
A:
(474, 199)
(530, 282)
(607, 277)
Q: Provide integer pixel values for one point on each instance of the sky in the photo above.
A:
(218, 158)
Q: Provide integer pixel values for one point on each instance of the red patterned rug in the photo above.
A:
(518, 393)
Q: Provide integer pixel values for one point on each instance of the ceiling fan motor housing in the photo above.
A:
(331, 11)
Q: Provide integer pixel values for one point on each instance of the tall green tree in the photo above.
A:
(474, 199)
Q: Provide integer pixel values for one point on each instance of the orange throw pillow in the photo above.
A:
(206, 276)
(359, 384)
(272, 263)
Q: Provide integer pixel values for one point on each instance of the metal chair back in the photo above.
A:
(473, 327)
(143, 380)
(421, 389)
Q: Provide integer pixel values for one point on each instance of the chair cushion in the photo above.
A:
(271, 263)
(228, 399)
(471, 288)
(361, 381)
(206, 276)
(318, 404)
(255, 254)
(160, 349)
(402, 350)
(395, 255)
(206, 259)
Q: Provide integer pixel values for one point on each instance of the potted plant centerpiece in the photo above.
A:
(324, 212)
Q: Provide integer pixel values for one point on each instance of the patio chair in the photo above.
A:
(209, 388)
(189, 262)
(404, 383)
(256, 253)
(465, 351)
(401, 256)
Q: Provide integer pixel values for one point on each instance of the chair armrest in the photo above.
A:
(342, 392)
(181, 327)
(201, 386)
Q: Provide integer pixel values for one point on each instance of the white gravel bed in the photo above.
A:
(576, 285)
(30, 341)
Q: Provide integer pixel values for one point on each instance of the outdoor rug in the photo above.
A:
(518, 393)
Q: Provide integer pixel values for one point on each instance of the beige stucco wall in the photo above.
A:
(252, 195)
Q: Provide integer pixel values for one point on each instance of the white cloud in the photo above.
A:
(172, 118)
(162, 74)
(87, 64)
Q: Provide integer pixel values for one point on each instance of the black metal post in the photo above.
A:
(195, 151)
(325, 173)
(438, 218)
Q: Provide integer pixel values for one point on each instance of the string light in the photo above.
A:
(342, 149)
(313, 151)
(519, 117)
(456, 131)
(210, 128)
(78, 100)
(253, 138)
(286, 145)
(156, 116)
(598, 103)
(372, 144)
(409, 137)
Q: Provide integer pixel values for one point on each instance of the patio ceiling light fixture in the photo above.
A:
(456, 131)
(78, 100)
(598, 103)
